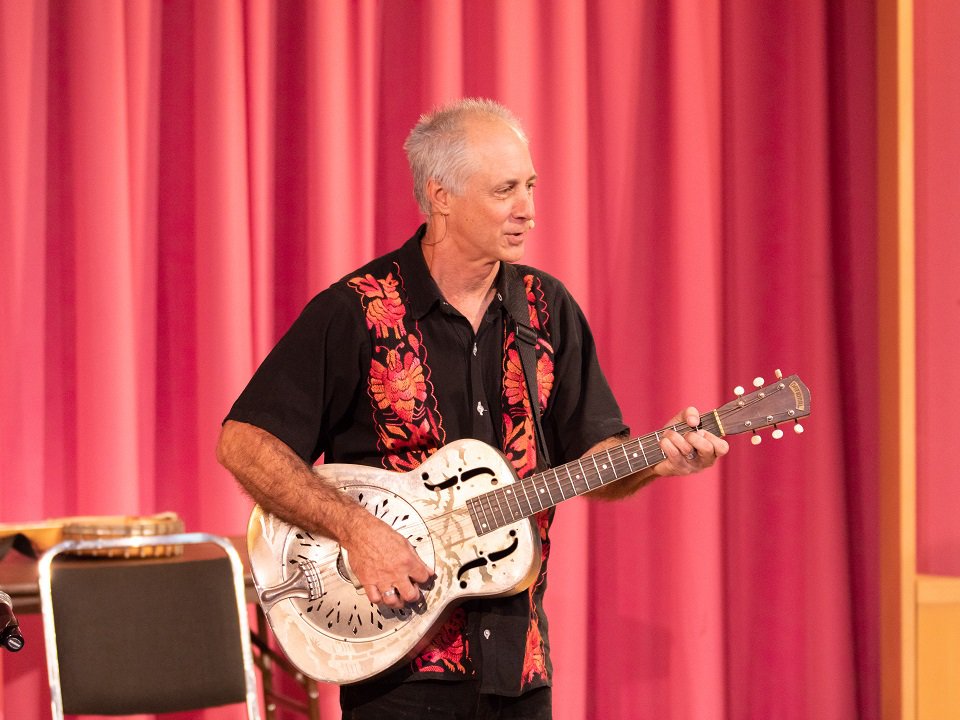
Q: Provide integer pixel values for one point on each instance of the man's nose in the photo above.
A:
(524, 208)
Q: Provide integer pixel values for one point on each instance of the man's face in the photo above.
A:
(492, 217)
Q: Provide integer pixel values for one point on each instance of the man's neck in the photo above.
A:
(467, 284)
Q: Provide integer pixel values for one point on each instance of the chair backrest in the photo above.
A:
(146, 635)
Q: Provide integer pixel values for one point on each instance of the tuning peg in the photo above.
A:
(758, 382)
(778, 374)
(738, 391)
(777, 433)
(756, 439)
(797, 427)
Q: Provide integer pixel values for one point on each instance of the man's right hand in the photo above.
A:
(384, 562)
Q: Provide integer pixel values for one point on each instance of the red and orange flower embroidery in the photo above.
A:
(410, 430)
(383, 306)
(535, 656)
(448, 648)
(400, 386)
(399, 380)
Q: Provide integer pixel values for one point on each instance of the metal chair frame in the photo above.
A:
(46, 599)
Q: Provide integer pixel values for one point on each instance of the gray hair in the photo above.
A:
(437, 146)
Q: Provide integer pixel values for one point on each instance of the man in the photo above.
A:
(411, 352)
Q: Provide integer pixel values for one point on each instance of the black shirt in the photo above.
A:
(380, 349)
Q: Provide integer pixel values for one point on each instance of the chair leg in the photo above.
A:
(266, 658)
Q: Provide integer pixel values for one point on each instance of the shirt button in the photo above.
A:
(486, 634)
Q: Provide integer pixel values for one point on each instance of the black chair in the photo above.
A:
(146, 634)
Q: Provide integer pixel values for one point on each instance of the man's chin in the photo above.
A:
(515, 245)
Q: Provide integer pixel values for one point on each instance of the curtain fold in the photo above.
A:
(178, 178)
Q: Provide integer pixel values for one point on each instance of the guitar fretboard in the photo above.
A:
(541, 491)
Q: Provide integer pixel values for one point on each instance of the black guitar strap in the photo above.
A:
(526, 342)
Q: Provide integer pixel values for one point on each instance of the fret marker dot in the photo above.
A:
(604, 466)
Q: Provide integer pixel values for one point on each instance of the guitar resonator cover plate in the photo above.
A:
(343, 611)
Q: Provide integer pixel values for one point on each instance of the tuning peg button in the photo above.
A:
(756, 439)
(738, 391)
(758, 382)
(797, 428)
(777, 433)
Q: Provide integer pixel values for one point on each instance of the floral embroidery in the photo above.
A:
(521, 449)
(383, 306)
(400, 385)
(519, 443)
(535, 656)
(448, 649)
(405, 408)
(410, 429)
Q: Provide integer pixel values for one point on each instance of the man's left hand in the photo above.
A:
(690, 452)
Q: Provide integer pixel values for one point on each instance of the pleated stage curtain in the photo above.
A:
(178, 178)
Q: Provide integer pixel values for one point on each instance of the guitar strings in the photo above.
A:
(327, 560)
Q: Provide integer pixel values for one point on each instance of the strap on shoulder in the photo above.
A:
(527, 340)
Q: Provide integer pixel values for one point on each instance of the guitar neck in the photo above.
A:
(541, 491)
(786, 400)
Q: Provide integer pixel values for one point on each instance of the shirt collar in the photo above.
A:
(422, 291)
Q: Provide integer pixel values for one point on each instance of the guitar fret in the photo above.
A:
(556, 482)
(471, 507)
(613, 468)
(597, 467)
(563, 495)
(507, 495)
(526, 495)
(517, 498)
(498, 511)
(512, 494)
(510, 500)
(575, 481)
(485, 523)
(538, 491)
(484, 502)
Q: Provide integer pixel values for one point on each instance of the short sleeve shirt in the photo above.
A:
(381, 354)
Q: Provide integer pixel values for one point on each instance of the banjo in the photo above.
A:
(469, 517)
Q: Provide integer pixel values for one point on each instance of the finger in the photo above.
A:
(373, 594)
(391, 597)
(707, 444)
(420, 572)
(691, 416)
(408, 591)
(676, 448)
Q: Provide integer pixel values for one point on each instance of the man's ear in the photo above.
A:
(439, 198)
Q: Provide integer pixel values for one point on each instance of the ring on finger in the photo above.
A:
(691, 455)
(389, 593)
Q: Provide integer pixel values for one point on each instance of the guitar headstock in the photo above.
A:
(784, 401)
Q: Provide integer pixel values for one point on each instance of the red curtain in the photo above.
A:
(178, 178)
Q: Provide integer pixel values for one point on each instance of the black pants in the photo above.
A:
(441, 700)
